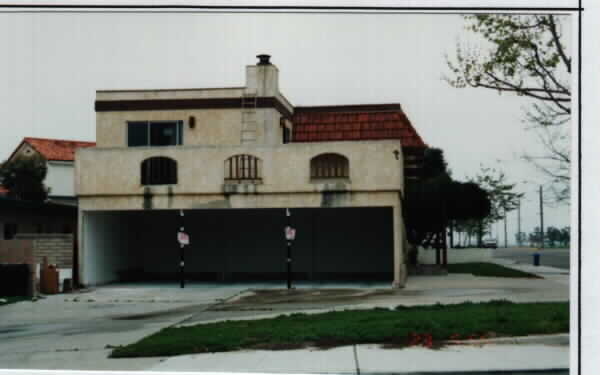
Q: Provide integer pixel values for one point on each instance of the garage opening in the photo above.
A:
(238, 244)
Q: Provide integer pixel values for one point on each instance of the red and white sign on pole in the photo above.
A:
(290, 233)
(183, 238)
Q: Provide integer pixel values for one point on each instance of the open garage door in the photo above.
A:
(238, 244)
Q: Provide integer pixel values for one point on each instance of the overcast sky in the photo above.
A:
(52, 63)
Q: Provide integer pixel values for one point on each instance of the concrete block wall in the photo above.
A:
(58, 248)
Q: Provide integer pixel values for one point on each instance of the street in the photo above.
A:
(559, 258)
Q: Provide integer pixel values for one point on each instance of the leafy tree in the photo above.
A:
(524, 55)
(434, 201)
(434, 164)
(501, 195)
(24, 178)
(565, 236)
(553, 235)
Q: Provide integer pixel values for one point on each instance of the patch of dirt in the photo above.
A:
(229, 308)
(279, 346)
(325, 343)
(157, 314)
(278, 296)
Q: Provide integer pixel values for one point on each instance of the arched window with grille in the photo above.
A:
(159, 170)
(243, 167)
(329, 166)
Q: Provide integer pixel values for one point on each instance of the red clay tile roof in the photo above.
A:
(353, 123)
(3, 190)
(56, 149)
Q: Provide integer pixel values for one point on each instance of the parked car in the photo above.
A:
(490, 243)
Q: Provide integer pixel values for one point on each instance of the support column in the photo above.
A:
(399, 259)
(79, 269)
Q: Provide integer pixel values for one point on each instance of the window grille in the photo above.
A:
(243, 167)
(329, 166)
(159, 170)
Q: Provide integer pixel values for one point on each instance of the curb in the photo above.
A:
(561, 339)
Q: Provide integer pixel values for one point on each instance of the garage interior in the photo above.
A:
(346, 244)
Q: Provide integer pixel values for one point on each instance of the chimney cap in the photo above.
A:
(263, 59)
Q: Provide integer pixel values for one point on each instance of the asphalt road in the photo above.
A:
(559, 258)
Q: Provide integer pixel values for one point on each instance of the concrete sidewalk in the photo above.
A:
(516, 355)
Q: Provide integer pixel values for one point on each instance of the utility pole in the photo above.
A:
(519, 222)
(505, 232)
(541, 217)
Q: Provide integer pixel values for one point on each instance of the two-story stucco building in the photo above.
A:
(233, 159)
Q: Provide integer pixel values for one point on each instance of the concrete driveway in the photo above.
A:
(75, 331)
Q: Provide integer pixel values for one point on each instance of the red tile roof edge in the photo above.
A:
(34, 142)
(350, 108)
(415, 140)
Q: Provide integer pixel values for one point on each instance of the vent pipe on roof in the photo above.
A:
(263, 59)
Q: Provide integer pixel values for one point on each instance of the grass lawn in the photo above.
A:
(12, 300)
(489, 269)
(404, 326)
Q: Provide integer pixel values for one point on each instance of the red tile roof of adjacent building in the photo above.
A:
(56, 149)
(354, 123)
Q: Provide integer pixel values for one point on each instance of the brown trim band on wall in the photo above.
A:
(174, 104)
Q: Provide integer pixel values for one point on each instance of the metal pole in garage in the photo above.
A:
(183, 239)
(290, 234)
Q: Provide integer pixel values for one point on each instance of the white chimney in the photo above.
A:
(262, 79)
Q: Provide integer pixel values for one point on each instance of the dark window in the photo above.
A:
(10, 231)
(243, 167)
(286, 135)
(137, 134)
(329, 166)
(154, 133)
(159, 170)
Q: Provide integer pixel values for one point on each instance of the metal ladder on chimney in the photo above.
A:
(249, 123)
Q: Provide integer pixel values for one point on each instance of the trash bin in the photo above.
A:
(49, 280)
(67, 285)
(536, 259)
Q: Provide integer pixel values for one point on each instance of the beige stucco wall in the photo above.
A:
(212, 126)
(285, 168)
